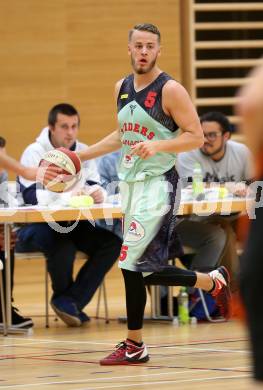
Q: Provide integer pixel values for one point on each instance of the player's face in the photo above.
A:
(214, 139)
(65, 131)
(143, 49)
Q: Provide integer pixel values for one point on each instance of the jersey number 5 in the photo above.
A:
(150, 99)
(123, 254)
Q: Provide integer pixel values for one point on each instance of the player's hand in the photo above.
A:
(144, 149)
(46, 174)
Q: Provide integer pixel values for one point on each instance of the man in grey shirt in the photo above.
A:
(222, 161)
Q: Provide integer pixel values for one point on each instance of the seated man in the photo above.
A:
(17, 320)
(221, 160)
(101, 246)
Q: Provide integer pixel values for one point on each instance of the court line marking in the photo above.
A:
(94, 380)
(46, 341)
(206, 349)
(56, 354)
(163, 382)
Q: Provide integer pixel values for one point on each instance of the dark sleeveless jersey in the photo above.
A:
(150, 99)
(142, 118)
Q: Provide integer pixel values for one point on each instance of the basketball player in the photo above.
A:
(250, 109)
(151, 108)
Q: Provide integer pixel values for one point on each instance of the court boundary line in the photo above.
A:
(94, 380)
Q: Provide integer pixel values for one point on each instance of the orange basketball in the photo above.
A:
(69, 162)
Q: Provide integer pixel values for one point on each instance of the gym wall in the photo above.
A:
(72, 51)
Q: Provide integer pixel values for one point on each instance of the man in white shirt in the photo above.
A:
(70, 295)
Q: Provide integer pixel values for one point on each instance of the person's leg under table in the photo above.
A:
(103, 249)
(60, 252)
(207, 240)
(58, 249)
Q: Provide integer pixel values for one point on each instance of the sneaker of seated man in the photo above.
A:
(18, 321)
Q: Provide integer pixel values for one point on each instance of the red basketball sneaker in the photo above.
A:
(221, 291)
(126, 353)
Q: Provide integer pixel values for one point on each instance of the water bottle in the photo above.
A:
(183, 309)
(198, 184)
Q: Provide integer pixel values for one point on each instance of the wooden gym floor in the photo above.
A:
(188, 357)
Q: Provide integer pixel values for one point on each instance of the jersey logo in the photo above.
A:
(132, 108)
(134, 354)
(135, 233)
(128, 161)
(150, 99)
(124, 96)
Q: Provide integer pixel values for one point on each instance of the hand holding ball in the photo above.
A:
(61, 170)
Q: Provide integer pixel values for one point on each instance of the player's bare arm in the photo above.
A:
(11, 164)
(178, 105)
(109, 144)
(29, 173)
(250, 109)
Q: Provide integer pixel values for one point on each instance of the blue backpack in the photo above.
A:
(196, 307)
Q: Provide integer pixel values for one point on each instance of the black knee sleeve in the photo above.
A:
(172, 276)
